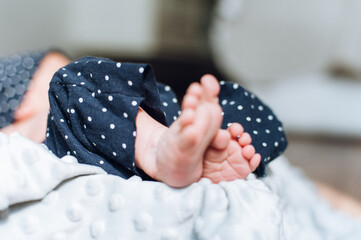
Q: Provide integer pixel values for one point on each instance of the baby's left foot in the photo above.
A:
(230, 155)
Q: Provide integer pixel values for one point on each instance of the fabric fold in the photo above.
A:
(94, 103)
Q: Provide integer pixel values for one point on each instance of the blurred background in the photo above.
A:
(302, 57)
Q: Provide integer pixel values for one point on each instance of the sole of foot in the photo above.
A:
(230, 155)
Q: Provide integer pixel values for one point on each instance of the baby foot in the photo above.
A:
(177, 152)
(230, 155)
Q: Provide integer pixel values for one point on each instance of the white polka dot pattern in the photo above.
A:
(104, 101)
(108, 104)
(239, 105)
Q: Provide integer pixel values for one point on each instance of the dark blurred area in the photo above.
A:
(171, 35)
(179, 73)
(183, 53)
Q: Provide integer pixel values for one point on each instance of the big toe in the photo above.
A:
(221, 140)
(210, 85)
(235, 130)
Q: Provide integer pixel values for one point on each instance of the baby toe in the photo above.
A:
(248, 152)
(255, 161)
(190, 101)
(195, 89)
(187, 117)
(210, 86)
(235, 130)
(244, 139)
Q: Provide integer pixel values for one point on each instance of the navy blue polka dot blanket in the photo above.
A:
(94, 103)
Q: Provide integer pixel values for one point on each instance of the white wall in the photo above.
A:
(265, 40)
(30, 25)
(283, 50)
(115, 26)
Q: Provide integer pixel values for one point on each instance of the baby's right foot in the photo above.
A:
(230, 155)
(178, 151)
